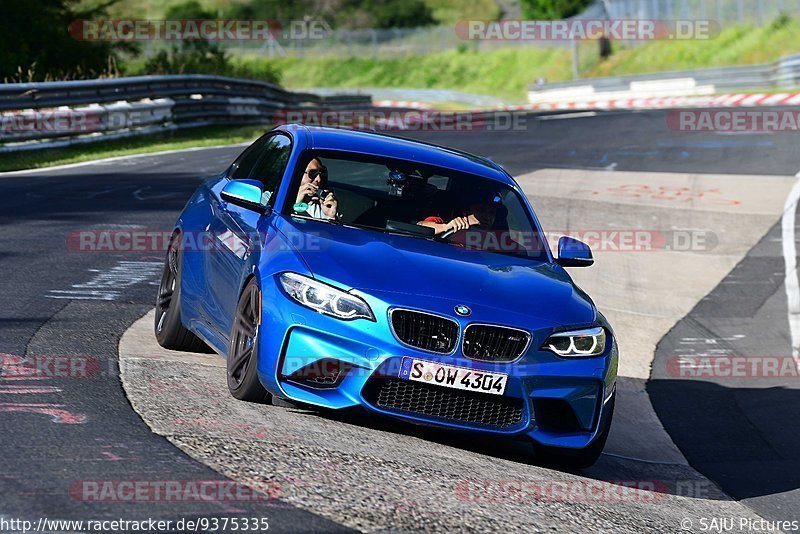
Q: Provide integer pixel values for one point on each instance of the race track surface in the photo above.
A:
(64, 431)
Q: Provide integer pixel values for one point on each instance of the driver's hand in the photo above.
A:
(306, 190)
(459, 223)
(329, 206)
(472, 220)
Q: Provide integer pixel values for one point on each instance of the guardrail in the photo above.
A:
(783, 74)
(417, 95)
(55, 114)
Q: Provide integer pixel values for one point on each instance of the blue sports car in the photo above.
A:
(341, 268)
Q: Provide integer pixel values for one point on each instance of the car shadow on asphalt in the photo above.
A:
(745, 438)
(661, 478)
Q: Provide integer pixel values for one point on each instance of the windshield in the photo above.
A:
(396, 196)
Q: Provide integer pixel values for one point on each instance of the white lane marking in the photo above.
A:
(576, 115)
(791, 281)
(116, 158)
(745, 133)
(109, 285)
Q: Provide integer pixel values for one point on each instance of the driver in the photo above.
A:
(309, 200)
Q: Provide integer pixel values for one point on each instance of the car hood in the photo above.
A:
(371, 262)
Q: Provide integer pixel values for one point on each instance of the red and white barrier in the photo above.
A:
(721, 101)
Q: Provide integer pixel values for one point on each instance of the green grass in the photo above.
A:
(196, 137)
(739, 45)
(507, 72)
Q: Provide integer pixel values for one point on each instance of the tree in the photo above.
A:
(189, 56)
(399, 13)
(35, 42)
(552, 9)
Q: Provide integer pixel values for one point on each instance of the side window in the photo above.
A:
(248, 159)
(271, 164)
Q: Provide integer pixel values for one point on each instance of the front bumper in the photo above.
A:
(554, 401)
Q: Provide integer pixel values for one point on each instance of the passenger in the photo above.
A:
(312, 185)
(481, 232)
(480, 214)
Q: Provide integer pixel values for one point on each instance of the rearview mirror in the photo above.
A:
(244, 193)
(573, 253)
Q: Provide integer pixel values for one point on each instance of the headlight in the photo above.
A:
(578, 343)
(324, 298)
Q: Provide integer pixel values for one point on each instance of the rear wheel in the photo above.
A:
(169, 329)
(242, 363)
(578, 458)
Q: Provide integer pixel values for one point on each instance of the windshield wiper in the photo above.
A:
(404, 233)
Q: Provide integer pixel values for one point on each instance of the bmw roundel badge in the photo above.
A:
(462, 310)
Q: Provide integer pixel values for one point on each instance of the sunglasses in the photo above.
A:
(313, 173)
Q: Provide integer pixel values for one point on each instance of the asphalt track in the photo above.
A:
(61, 431)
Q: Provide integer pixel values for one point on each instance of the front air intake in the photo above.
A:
(322, 374)
(442, 404)
(490, 343)
(425, 331)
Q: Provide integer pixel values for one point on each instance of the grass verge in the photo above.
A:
(507, 72)
(196, 137)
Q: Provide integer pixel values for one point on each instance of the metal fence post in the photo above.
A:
(740, 11)
(576, 75)
(396, 35)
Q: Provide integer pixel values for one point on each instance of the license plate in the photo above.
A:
(453, 377)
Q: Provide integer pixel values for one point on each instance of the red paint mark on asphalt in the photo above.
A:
(665, 192)
(55, 411)
(16, 368)
(232, 510)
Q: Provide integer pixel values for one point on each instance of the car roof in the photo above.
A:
(380, 144)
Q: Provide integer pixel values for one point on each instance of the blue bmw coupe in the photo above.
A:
(341, 268)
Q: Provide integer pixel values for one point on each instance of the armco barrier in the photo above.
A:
(55, 114)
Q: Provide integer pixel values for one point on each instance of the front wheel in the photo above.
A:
(169, 329)
(578, 458)
(242, 362)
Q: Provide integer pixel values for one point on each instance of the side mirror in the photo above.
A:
(573, 253)
(244, 193)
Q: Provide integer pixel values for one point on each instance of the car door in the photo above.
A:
(234, 229)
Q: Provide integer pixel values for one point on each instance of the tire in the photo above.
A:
(242, 361)
(578, 458)
(169, 329)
